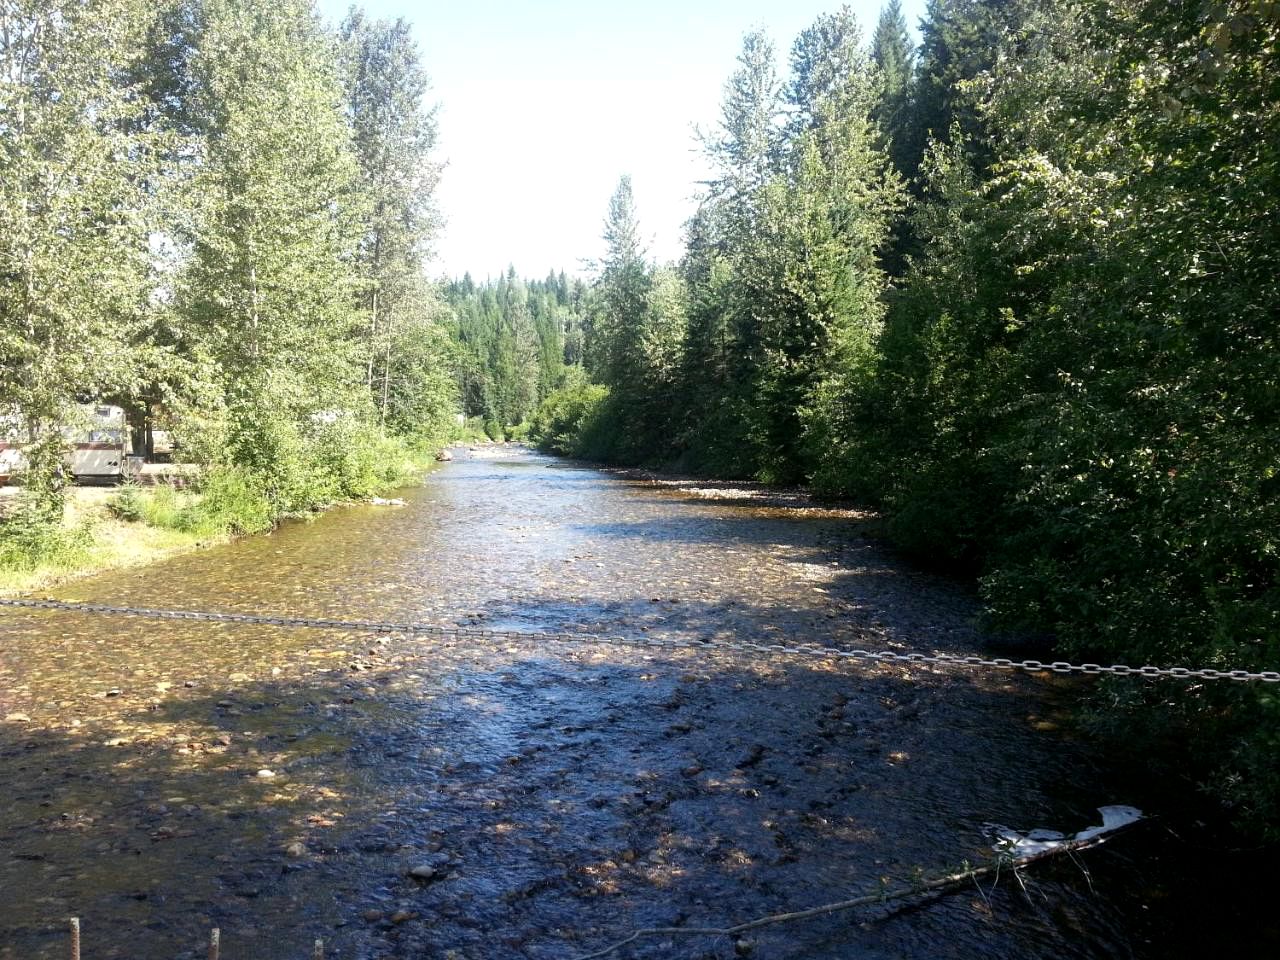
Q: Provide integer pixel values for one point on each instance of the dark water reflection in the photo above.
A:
(280, 784)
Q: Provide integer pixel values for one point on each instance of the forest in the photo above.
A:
(216, 214)
(1014, 286)
(1018, 289)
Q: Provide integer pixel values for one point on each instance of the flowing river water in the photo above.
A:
(161, 778)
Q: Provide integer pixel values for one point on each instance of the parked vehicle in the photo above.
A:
(102, 451)
(10, 447)
(100, 446)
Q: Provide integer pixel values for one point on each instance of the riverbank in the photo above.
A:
(115, 528)
(95, 541)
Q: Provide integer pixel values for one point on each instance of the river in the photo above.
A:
(281, 784)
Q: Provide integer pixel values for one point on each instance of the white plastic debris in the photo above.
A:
(1038, 841)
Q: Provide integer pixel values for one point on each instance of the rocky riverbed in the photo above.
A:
(417, 796)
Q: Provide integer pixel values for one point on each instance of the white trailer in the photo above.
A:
(100, 450)
(99, 445)
(11, 435)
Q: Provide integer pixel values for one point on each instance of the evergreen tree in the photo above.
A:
(894, 56)
(515, 345)
(622, 296)
(817, 282)
(746, 149)
(747, 154)
(960, 41)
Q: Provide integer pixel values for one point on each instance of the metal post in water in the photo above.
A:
(318, 953)
(75, 938)
(215, 943)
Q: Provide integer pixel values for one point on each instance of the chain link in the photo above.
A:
(738, 646)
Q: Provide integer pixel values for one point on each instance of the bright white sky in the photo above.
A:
(544, 105)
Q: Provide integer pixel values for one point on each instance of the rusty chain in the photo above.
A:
(739, 646)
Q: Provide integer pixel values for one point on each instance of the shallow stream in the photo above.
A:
(281, 784)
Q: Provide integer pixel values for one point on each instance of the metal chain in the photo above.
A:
(740, 646)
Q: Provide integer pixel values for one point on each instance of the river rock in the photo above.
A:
(430, 867)
(266, 774)
(296, 849)
(17, 718)
(444, 456)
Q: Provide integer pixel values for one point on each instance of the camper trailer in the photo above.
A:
(99, 444)
(10, 446)
(100, 449)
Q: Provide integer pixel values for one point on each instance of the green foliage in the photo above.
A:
(473, 429)
(406, 359)
(30, 538)
(783, 277)
(342, 460)
(128, 503)
(165, 507)
(1074, 392)
(232, 500)
(227, 501)
(635, 342)
(270, 278)
(960, 41)
(353, 460)
(218, 206)
(514, 340)
(570, 421)
(77, 203)
(275, 451)
(894, 57)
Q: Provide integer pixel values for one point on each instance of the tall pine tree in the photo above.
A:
(894, 56)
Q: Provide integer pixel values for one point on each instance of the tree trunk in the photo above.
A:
(386, 380)
(373, 339)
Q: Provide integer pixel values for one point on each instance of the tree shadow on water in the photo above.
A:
(551, 797)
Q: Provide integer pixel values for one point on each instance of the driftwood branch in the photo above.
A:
(935, 885)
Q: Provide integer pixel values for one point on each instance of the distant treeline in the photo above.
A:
(517, 342)
(214, 213)
(1018, 287)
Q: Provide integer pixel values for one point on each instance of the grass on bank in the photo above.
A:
(111, 528)
(91, 540)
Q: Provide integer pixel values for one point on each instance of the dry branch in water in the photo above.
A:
(1007, 858)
